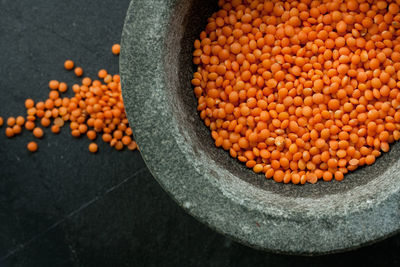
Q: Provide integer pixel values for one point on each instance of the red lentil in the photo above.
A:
(32, 146)
(93, 147)
(116, 48)
(68, 64)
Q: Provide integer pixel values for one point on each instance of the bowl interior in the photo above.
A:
(181, 97)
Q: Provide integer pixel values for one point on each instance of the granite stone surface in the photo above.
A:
(66, 207)
(316, 219)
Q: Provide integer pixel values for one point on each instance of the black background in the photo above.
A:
(63, 206)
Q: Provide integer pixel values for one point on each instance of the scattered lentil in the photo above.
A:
(16, 129)
(9, 132)
(11, 121)
(68, 64)
(93, 147)
(78, 71)
(116, 48)
(32, 146)
(38, 132)
(55, 129)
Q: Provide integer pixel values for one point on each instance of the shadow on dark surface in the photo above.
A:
(132, 227)
(65, 207)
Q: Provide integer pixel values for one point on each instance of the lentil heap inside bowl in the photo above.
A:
(301, 91)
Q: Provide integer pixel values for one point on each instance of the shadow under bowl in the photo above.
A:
(156, 69)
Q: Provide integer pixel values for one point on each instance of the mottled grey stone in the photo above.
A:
(327, 217)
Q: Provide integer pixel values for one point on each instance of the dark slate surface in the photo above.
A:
(65, 207)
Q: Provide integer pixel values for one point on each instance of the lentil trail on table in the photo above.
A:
(95, 109)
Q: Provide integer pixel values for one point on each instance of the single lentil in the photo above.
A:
(69, 64)
(32, 146)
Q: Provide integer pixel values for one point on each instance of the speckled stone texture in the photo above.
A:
(156, 67)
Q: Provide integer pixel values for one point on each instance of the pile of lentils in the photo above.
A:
(301, 90)
(95, 109)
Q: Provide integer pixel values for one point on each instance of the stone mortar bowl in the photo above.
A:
(156, 68)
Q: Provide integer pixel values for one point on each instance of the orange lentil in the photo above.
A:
(339, 175)
(102, 73)
(106, 137)
(116, 48)
(38, 132)
(9, 132)
(45, 122)
(63, 87)
(29, 125)
(278, 176)
(1, 121)
(55, 129)
(32, 146)
(370, 159)
(78, 71)
(119, 145)
(91, 134)
(54, 95)
(327, 176)
(126, 140)
(20, 120)
(17, 129)
(29, 103)
(93, 148)
(53, 84)
(68, 64)
(83, 128)
(312, 178)
(132, 146)
(59, 122)
(11, 121)
(76, 133)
